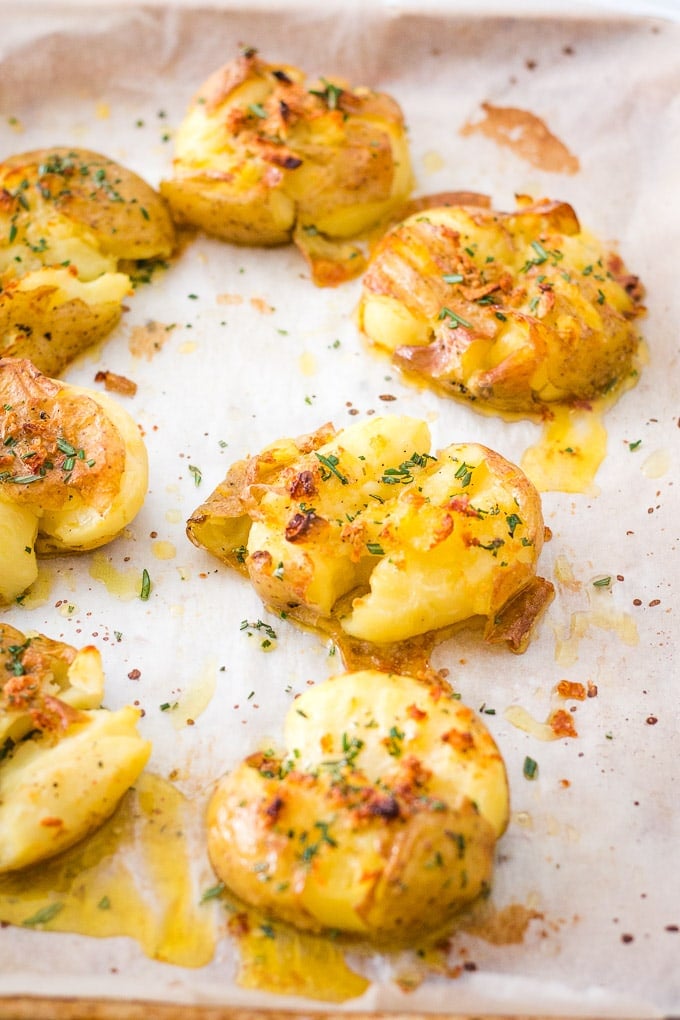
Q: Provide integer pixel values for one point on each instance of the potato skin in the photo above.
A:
(512, 311)
(64, 762)
(366, 528)
(73, 471)
(264, 157)
(374, 822)
(72, 224)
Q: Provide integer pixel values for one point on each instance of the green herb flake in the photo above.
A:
(635, 445)
(213, 893)
(530, 768)
(455, 320)
(602, 582)
(43, 916)
(331, 464)
(145, 590)
(197, 475)
(104, 903)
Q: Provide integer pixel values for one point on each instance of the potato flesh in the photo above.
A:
(514, 310)
(447, 538)
(51, 796)
(64, 761)
(353, 830)
(263, 157)
(58, 514)
(67, 219)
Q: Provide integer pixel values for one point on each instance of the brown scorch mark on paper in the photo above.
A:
(147, 340)
(528, 137)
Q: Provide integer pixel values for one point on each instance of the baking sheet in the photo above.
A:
(255, 352)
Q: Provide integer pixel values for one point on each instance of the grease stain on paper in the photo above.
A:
(526, 135)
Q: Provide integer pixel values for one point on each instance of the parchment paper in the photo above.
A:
(253, 356)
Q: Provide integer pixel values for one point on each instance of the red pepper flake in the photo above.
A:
(134, 674)
(655, 602)
(562, 724)
(571, 689)
(627, 938)
(637, 602)
(565, 784)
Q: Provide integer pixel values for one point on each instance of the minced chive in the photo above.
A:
(197, 475)
(454, 319)
(213, 892)
(43, 916)
(146, 585)
(602, 582)
(452, 278)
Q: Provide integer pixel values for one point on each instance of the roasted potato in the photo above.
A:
(73, 471)
(514, 311)
(64, 761)
(73, 223)
(379, 818)
(265, 156)
(366, 526)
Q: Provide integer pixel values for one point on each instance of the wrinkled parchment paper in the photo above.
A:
(256, 352)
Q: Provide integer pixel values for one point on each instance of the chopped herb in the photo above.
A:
(464, 474)
(452, 278)
(258, 110)
(259, 625)
(196, 472)
(634, 446)
(602, 582)
(512, 521)
(43, 916)
(330, 463)
(530, 768)
(213, 892)
(330, 94)
(375, 548)
(455, 320)
(104, 903)
(145, 590)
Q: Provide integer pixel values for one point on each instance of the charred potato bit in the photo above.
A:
(380, 818)
(368, 526)
(515, 311)
(73, 471)
(73, 226)
(265, 156)
(64, 761)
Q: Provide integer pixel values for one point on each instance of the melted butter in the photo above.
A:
(307, 364)
(657, 464)
(188, 347)
(523, 720)
(174, 516)
(40, 590)
(131, 877)
(124, 584)
(103, 111)
(571, 449)
(163, 550)
(601, 615)
(276, 958)
(432, 162)
(197, 697)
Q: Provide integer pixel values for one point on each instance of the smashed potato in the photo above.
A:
(73, 224)
(366, 526)
(73, 471)
(64, 761)
(380, 818)
(265, 156)
(515, 311)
